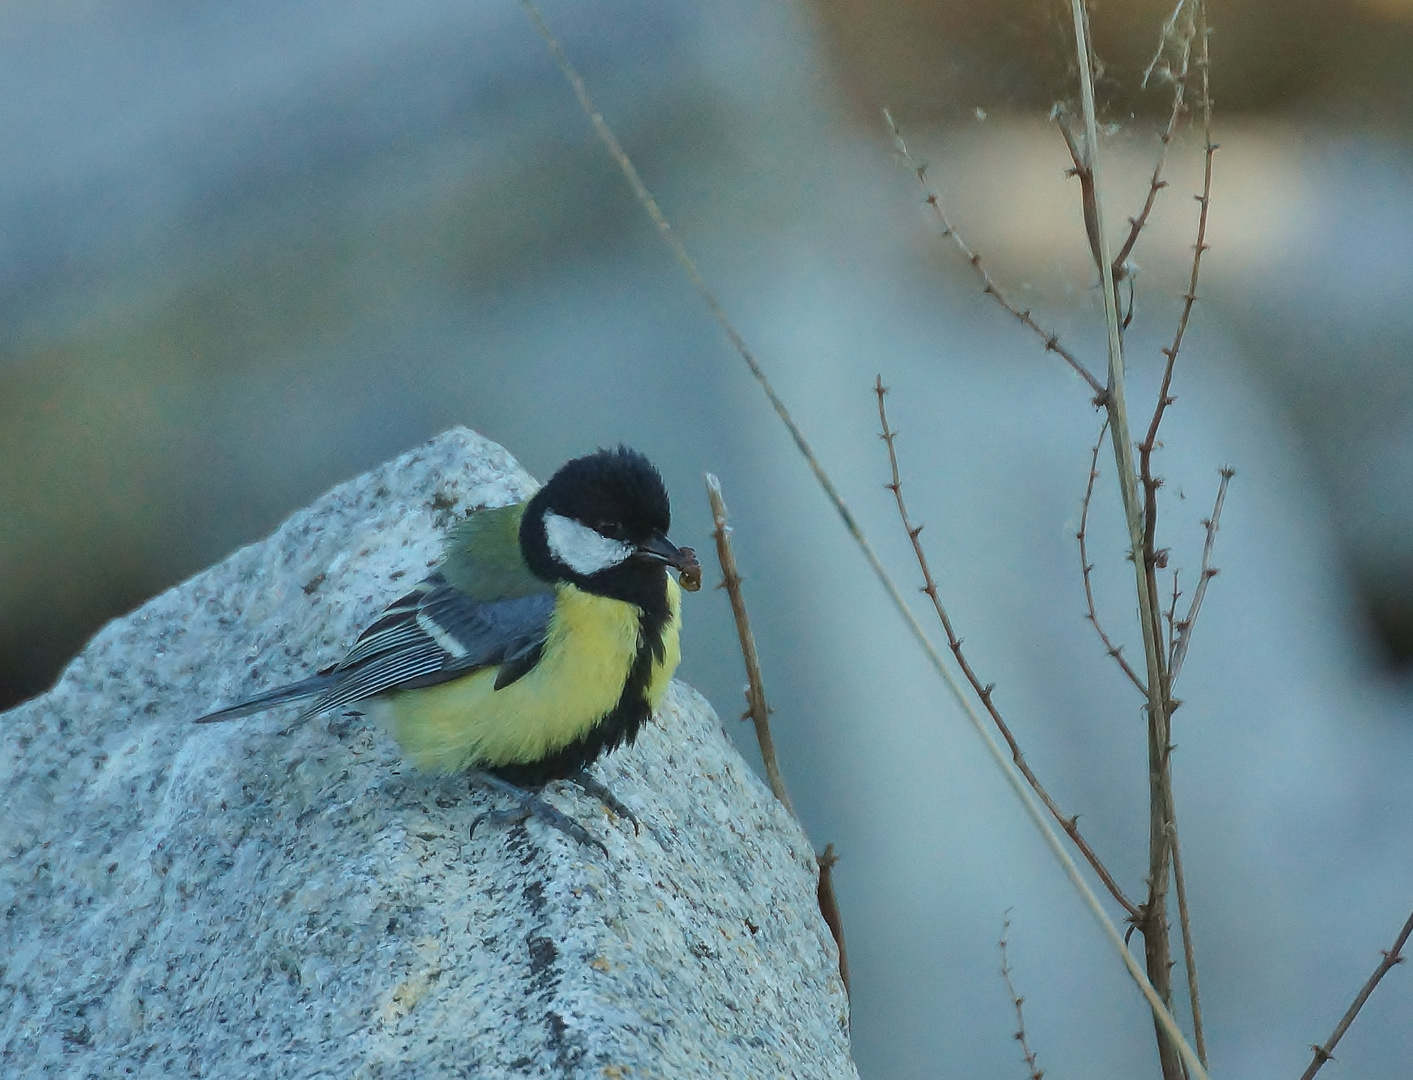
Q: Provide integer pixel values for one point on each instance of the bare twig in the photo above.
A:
(829, 908)
(1184, 626)
(1087, 568)
(1156, 183)
(1033, 809)
(756, 708)
(1171, 617)
(988, 283)
(985, 692)
(1031, 1062)
(1391, 958)
(758, 711)
(1189, 298)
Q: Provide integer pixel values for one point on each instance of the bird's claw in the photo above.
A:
(600, 791)
(529, 805)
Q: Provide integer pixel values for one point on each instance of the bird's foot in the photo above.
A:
(600, 791)
(528, 805)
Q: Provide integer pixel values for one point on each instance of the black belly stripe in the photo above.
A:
(619, 725)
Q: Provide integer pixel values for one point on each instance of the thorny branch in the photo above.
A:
(1189, 298)
(1031, 1062)
(758, 711)
(1087, 568)
(1391, 958)
(1182, 629)
(756, 708)
(988, 283)
(984, 691)
(1171, 616)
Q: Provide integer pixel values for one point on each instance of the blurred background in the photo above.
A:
(248, 251)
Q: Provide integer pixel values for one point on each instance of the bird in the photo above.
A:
(545, 637)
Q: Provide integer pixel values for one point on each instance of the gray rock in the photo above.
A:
(249, 899)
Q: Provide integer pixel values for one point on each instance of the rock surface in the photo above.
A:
(248, 899)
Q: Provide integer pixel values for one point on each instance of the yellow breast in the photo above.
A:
(466, 722)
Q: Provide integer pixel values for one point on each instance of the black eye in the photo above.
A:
(611, 529)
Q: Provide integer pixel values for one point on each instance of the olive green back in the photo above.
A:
(483, 556)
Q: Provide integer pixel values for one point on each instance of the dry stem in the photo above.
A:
(984, 691)
(1031, 1063)
(1087, 568)
(1172, 619)
(1189, 298)
(758, 711)
(1390, 958)
(988, 283)
(756, 708)
(1183, 628)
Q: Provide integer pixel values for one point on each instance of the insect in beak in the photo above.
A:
(684, 560)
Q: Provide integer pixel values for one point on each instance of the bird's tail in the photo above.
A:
(270, 698)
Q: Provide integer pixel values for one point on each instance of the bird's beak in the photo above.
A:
(684, 560)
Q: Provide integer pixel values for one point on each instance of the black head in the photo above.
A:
(601, 523)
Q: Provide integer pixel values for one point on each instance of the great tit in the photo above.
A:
(545, 637)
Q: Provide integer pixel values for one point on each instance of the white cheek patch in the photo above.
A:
(581, 548)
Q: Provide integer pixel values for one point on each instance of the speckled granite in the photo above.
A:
(250, 900)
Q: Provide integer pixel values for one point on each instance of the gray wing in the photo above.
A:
(434, 633)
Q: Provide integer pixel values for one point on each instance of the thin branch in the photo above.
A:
(1033, 809)
(1390, 958)
(1189, 298)
(1031, 1062)
(829, 909)
(1184, 627)
(1175, 1055)
(1172, 619)
(1189, 950)
(1086, 568)
(984, 692)
(758, 711)
(756, 708)
(1156, 183)
(988, 283)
